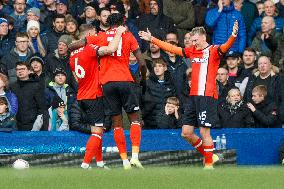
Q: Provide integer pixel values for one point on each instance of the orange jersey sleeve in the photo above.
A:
(226, 46)
(167, 46)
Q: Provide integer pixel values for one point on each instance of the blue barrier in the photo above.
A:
(253, 146)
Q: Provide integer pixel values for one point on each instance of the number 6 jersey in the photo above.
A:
(84, 63)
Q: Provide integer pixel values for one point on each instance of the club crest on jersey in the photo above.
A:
(200, 60)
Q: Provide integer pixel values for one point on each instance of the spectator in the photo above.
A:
(103, 15)
(177, 69)
(58, 87)
(156, 21)
(60, 59)
(37, 67)
(78, 119)
(7, 120)
(264, 76)
(103, 3)
(169, 117)
(280, 8)
(34, 14)
(59, 25)
(265, 112)
(35, 3)
(223, 85)
(62, 7)
(144, 6)
(154, 52)
(249, 62)
(233, 60)
(132, 9)
(6, 40)
(278, 57)
(234, 113)
(238, 4)
(260, 7)
(30, 99)
(269, 10)
(11, 97)
(19, 15)
(159, 87)
(221, 19)
(267, 31)
(249, 12)
(78, 8)
(72, 27)
(37, 43)
(20, 53)
(5, 8)
(47, 12)
(182, 13)
(58, 116)
(90, 14)
(187, 43)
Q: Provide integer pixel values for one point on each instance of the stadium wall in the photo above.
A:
(253, 146)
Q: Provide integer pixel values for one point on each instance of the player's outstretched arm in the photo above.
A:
(226, 46)
(163, 45)
(113, 44)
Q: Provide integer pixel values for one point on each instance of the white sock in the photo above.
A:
(100, 164)
(85, 165)
(134, 155)
(125, 162)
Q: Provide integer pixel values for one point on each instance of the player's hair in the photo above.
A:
(22, 34)
(158, 61)
(199, 31)
(115, 19)
(173, 100)
(86, 27)
(260, 89)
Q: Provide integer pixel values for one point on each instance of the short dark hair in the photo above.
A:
(58, 16)
(103, 9)
(115, 19)
(23, 63)
(158, 61)
(249, 49)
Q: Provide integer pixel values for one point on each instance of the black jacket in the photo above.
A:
(266, 115)
(31, 102)
(155, 97)
(165, 121)
(77, 119)
(240, 118)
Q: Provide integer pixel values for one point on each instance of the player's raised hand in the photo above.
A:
(121, 29)
(235, 28)
(145, 35)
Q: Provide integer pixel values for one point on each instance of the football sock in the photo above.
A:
(199, 147)
(208, 153)
(135, 137)
(120, 141)
(92, 147)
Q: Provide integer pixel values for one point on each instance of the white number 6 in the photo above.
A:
(79, 70)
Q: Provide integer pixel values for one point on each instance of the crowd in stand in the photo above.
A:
(38, 89)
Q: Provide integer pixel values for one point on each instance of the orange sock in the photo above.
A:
(208, 153)
(92, 147)
(99, 152)
(199, 147)
(135, 136)
(120, 141)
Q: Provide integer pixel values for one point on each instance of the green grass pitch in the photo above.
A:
(152, 177)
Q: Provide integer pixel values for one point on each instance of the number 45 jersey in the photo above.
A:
(84, 63)
(115, 67)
